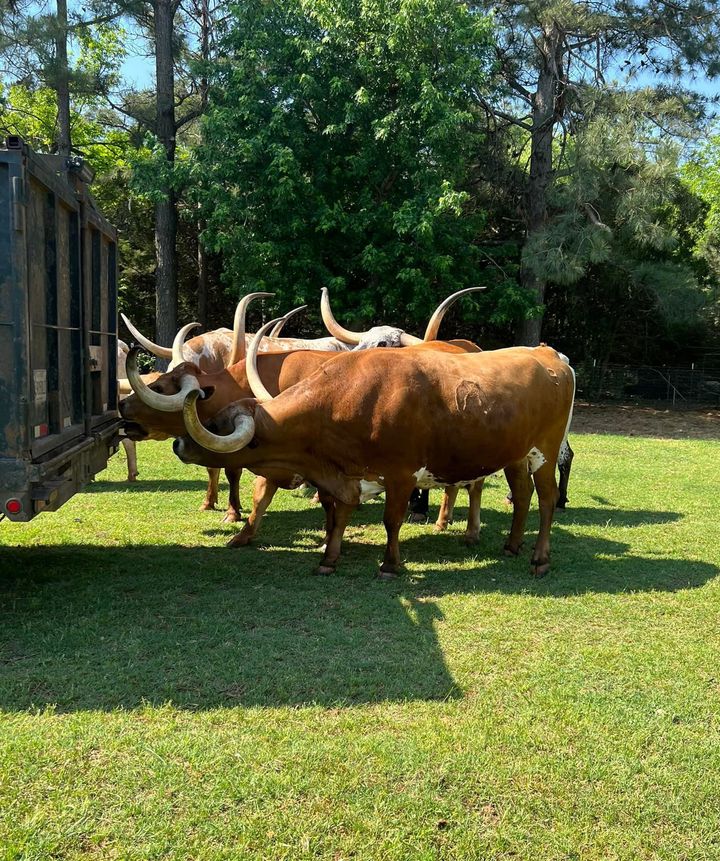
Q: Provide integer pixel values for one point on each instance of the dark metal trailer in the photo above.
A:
(58, 332)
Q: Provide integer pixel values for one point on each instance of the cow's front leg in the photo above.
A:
(232, 515)
(341, 516)
(211, 494)
(131, 455)
(445, 515)
(263, 493)
(396, 496)
(327, 500)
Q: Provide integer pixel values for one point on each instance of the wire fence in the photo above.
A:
(697, 385)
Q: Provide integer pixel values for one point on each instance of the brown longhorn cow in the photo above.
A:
(401, 419)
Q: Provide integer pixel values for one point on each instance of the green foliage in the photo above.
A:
(617, 243)
(702, 176)
(337, 148)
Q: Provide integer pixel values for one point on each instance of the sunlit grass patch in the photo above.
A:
(163, 696)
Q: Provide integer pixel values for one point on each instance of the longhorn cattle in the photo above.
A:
(212, 352)
(154, 412)
(147, 417)
(403, 419)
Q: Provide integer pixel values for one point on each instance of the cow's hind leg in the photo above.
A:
(445, 515)
(396, 495)
(232, 515)
(340, 518)
(547, 491)
(472, 533)
(211, 494)
(521, 488)
(419, 505)
(263, 493)
(565, 460)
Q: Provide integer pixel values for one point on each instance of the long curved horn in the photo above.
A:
(177, 347)
(409, 340)
(155, 349)
(241, 436)
(279, 326)
(123, 387)
(433, 325)
(237, 351)
(163, 403)
(332, 325)
(256, 384)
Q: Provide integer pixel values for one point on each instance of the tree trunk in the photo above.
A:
(202, 280)
(62, 80)
(541, 172)
(202, 272)
(166, 209)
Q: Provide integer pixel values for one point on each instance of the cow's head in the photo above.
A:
(153, 411)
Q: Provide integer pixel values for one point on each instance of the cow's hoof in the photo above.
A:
(562, 503)
(441, 527)
(208, 506)
(239, 540)
(132, 476)
(324, 570)
(417, 517)
(539, 569)
(470, 540)
(510, 551)
(508, 500)
(388, 572)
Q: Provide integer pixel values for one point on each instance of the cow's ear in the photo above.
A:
(208, 391)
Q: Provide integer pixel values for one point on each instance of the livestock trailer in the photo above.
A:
(58, 331)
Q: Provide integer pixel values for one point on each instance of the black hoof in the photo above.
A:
(324, 570)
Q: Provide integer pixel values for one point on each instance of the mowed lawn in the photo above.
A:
(164, 697)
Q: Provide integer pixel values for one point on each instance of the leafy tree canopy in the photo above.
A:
(337, 151)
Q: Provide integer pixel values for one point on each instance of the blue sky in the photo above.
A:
(139, 71)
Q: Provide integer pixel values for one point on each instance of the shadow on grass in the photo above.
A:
(85, 627)
(150, 485)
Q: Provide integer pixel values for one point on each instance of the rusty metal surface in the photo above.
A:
(58, 330)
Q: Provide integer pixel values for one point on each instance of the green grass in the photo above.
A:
(163, 697)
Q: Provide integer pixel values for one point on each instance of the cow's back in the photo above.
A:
(441, 411)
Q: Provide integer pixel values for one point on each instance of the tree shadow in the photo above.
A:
(88, 627)
(85, 627)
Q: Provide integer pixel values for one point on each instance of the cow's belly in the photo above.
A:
(425, 480)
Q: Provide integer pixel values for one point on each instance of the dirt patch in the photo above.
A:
(645, 421)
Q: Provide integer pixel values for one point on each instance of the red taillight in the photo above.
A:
(13, 506)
